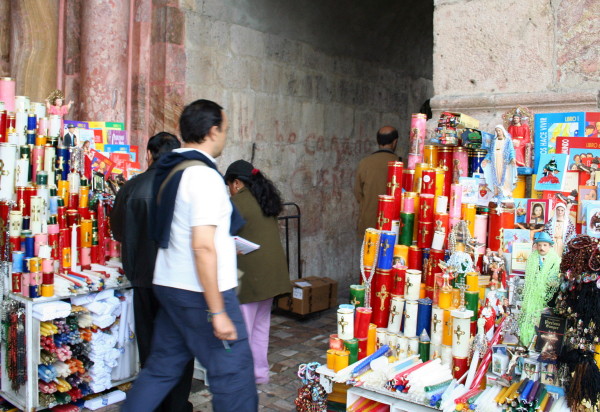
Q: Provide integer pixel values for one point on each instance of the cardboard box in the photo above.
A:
(309, 295)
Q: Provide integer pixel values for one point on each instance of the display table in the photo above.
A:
(399, 402)
(27, 396)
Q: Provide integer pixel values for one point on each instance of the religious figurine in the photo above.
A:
(499, 166)
(541, 283)
(55, 103)
(521, 138)
(549, 173)
(488, 313)
(560, 228)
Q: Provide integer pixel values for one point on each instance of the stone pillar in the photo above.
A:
(104, 30)
(168, 61)
(5, 38)
(34, 25)
(72, 56)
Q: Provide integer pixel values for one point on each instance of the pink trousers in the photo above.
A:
(257, 316)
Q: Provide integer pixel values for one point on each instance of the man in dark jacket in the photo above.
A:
(130, 224)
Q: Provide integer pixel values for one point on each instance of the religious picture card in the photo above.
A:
(588, 193)
(521, 210)
(550, 337)
(470, 187)
(551, 172)
(548, 372)
(520, 254)
(512, 236)
(537, 212)
(485, 195)
(592, 219)
(531, 369)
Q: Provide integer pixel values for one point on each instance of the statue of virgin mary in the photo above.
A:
(499, 166)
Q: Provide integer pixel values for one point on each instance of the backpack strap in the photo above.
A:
(181, 166)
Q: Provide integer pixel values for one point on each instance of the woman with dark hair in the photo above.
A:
(265, 270)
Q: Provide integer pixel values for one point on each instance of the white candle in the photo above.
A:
(74, 265)
(396, 311)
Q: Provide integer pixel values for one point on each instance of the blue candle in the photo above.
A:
(387, 241)
(424, 316)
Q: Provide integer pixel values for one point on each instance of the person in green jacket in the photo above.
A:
(265, 270)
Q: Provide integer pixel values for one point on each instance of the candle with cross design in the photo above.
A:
(386, 212)
(381, 292)
(345, 323)
(437, 325)
(8, 158)
(461, 333)
(413, 284)
(394, 180)
(385, 256)
(396, 312)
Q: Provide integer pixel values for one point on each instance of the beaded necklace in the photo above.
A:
(367, 280)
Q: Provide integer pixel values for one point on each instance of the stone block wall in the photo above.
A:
(306, 116)
(490, 56)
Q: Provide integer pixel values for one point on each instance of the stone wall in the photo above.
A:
(304, 116)
(490, 56)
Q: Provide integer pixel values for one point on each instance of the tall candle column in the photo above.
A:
(396, 312)
(461, 332)
(410, 318)
(74, 246)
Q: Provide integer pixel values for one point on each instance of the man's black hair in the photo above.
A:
(384, 139)
(162, 142)
(198, 118)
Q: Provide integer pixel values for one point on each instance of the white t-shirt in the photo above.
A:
(202, 200)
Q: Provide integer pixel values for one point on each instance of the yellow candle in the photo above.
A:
(341, 360)
(422, 291)
(86, 232)
(468, 215)
(402, 251)
(430, 154)
(447, 328)
(519, 191)
(371, 338)
(331, 358)
(472, 282)
(370, 246)
(444, 300)
(440, 179)
(597, 355)
(455, 298)
(419, 167)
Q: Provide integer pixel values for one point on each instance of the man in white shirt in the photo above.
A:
(196, 273)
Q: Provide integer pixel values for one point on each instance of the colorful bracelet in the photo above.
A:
(211, 314)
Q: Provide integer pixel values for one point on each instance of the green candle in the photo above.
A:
(352, 346)
(357, 295)
(472, 303)
(407, 221)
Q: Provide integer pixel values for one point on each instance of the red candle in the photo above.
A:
(399, 274)
(381, 296)
(428, 182)
(415, 258)
(61, 217)
(361, 323)
(408, 177)
(495, 231)
(425, 234)
(386, 212)
(394, 181)
(426, 208)
(362, 348)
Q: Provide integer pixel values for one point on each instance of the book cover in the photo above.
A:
(98, 136)
(114, 125)
(111, 148)
(520, 254)
(78, 124)
(87, 135)
(134, 153)
(550, 337)
(550, 172)
(484, 195)
(120, 160)
(118, 137)
(549, 126)
(592, 124)
(101, 164)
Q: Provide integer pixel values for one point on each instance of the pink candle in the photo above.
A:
(7, 93)
(455, 200)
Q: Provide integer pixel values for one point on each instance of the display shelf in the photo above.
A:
(397, 402)
(26, 398)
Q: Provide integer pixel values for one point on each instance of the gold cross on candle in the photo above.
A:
(382, 220)
(342, 323)
(355, 301)
(38, 163)
(409, 284)
(500, 237)
(61, 163)
(435, 321)
(438, 226)
(382, 295)
(458, 332)
(393, 185)
(424, 233)
(386, 245)
(424, 208)
(2, 171)
(394, 313)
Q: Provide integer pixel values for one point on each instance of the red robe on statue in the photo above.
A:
(521, 138)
